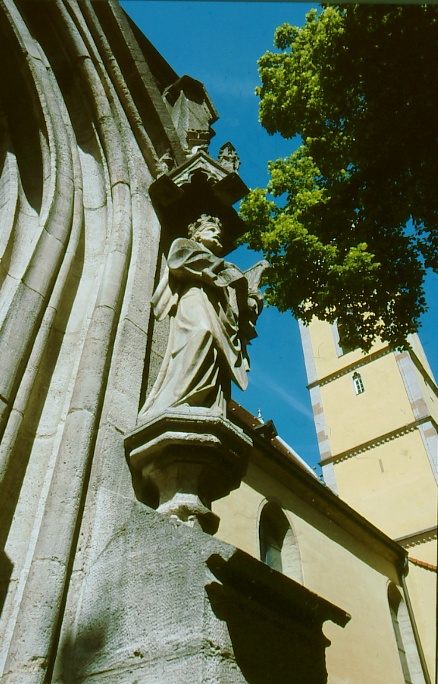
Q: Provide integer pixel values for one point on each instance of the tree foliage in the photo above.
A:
(349, 219)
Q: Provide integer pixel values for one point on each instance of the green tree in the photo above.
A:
(349, 219)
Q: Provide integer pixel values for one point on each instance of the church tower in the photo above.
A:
(376, 419)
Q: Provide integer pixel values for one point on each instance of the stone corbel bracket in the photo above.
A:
(200, 185)
(182, 460)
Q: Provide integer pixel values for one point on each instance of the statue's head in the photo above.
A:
(208, 231)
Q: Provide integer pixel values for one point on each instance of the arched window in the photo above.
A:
(358, 385)
(404, 637)
(278, 543)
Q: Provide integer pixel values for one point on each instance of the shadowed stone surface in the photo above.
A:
(91, 116)
(164, 603)
(96, 587)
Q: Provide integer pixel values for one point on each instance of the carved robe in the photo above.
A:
(212, 319)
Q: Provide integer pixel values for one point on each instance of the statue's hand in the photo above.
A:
(255, 303)
(232, 276)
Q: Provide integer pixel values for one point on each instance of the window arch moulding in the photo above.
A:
(278, 543)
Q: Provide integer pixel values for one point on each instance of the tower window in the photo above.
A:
(358, 383)
(344, 348)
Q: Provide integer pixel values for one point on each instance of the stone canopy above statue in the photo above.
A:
(200, 185)
(194, 183)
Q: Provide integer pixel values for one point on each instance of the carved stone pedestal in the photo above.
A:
(182, 460)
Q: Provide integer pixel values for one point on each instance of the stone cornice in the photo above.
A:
(378, 441)
(350, 367)
(416, 538)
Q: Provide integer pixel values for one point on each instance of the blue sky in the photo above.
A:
(219, 44)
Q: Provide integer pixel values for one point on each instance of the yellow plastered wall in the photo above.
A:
(428, 391)
(334, 565)
(392, 485)
(355, 419)
(327, 360)
(422, 585)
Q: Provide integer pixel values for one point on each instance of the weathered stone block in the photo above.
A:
(164, 603)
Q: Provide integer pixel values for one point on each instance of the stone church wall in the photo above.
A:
(90, 117)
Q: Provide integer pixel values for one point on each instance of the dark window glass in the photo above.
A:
(272, 531)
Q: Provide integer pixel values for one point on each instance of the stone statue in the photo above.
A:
(228, 157)
(213, 307)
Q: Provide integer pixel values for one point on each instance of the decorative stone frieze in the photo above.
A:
(382, 439)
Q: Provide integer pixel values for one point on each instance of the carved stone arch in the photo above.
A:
(404, 636)
(84, 132)
(278, 543)
(292, 555)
